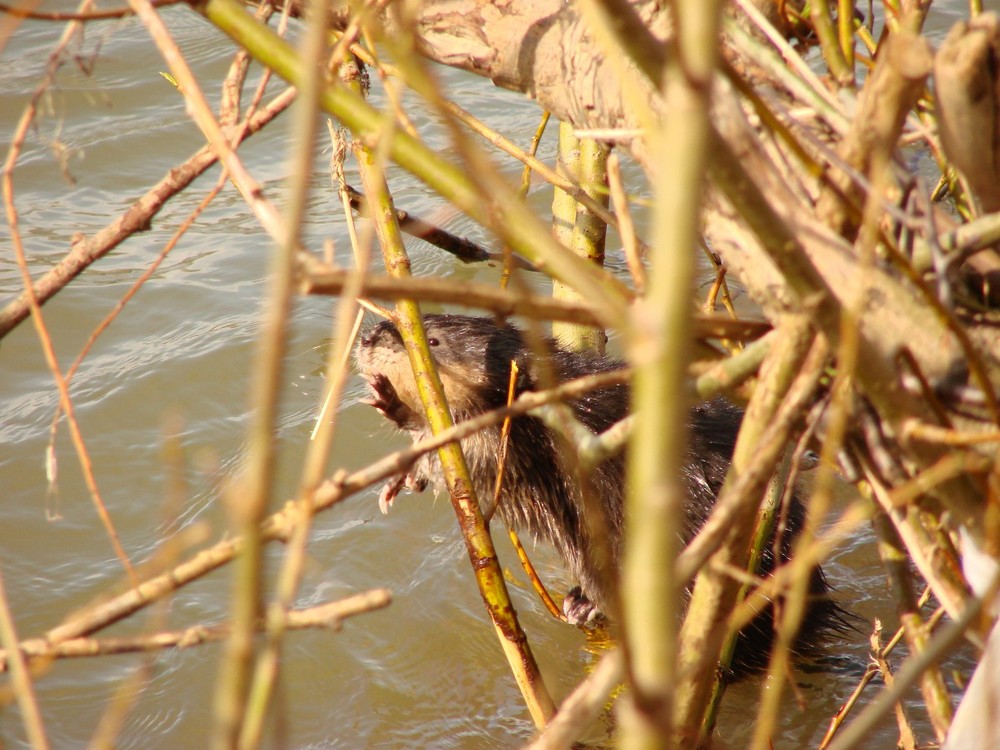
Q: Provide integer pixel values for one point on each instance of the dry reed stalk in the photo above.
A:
(120, 305)
(344, 333)
(626, 226)
(322, 616)
(794, 605)
(659, 346)
(508, 254)
(261, 675)
(906, 738)
(34, 305)
(24, 689)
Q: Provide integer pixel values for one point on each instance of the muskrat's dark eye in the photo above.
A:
(432, 341)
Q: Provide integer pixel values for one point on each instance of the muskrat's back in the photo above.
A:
(540, 491)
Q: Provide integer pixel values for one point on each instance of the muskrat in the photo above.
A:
(539, 492)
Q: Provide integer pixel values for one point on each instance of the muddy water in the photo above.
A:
(426, 672)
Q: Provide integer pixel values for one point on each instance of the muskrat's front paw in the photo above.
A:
(387, 401)
(396, 485)
(579, 610)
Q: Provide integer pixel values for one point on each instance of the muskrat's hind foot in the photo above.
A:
(579, 610)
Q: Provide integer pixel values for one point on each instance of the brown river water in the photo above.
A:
(427, 671)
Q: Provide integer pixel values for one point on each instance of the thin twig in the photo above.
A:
(859, 731)
(93, 15)
(24, 690)
(261, 674)
(325, 616)
(505, 302)
(33, 304)
(136, 218)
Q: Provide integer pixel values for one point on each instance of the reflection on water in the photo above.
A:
(425, 672)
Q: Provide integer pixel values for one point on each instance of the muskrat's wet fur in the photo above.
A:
(540, 494)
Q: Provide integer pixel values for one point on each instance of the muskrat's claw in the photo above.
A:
(387, 401)
(579, 610)
(395, 485)
(388, 493)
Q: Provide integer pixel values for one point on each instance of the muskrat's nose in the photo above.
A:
(384, 334)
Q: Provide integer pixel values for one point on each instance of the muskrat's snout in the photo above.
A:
(472, 356)
(383, 334)
(376, 346)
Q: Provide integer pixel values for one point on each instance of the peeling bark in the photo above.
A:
(967, 85)
(543, 49)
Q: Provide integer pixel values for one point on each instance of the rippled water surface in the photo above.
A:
(427, 672)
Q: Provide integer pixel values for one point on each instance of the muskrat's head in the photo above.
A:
(473, 356)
